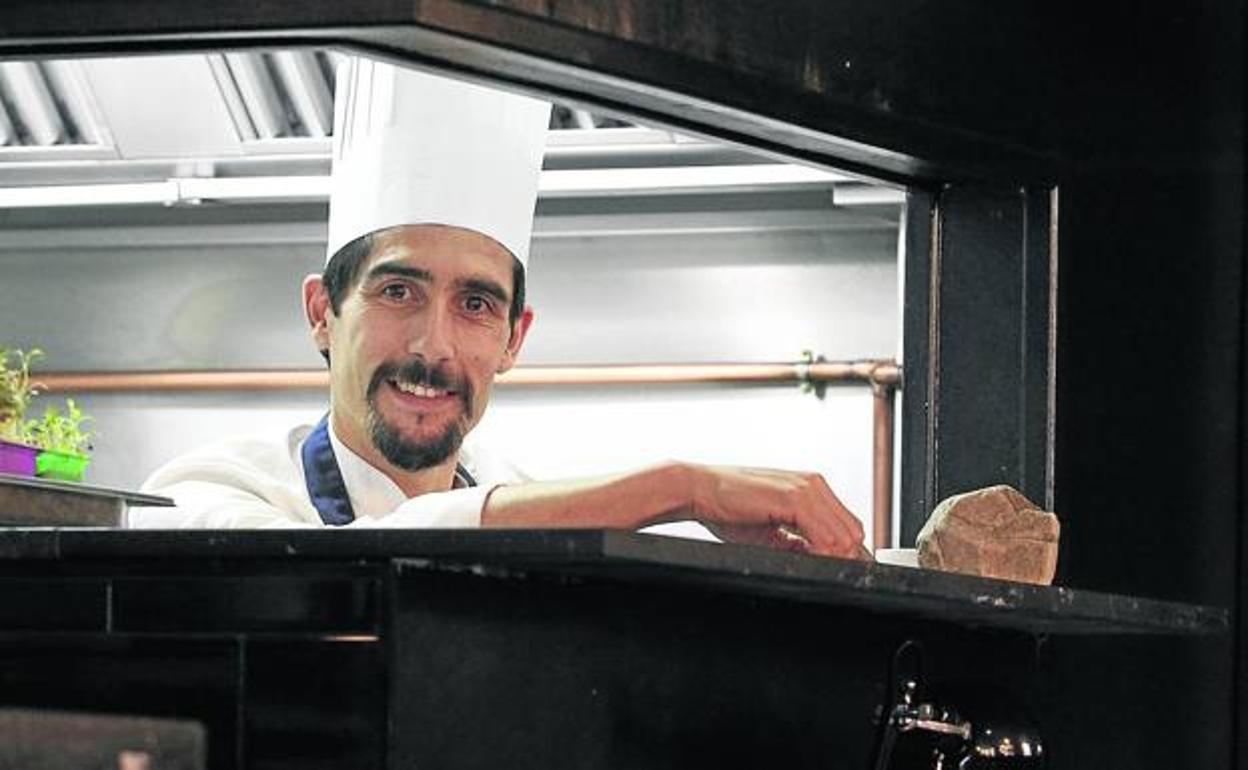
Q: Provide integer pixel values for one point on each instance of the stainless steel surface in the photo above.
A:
(738, 278)
(54, 739)
(26, 88)
(28, 501)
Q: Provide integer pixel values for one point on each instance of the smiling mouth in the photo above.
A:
(417, 390)
(421, 391)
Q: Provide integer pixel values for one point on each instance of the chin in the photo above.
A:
(415, 452)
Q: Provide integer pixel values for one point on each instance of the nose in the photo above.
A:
(432, 334)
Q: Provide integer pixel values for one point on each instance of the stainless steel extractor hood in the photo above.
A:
(247, 127)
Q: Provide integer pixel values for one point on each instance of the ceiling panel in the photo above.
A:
(163, 107)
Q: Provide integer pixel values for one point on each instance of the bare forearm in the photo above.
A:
(621, 501)
(784, 509)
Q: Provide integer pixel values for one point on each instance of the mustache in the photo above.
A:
(417, 372)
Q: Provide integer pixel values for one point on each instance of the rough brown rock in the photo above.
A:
(993, 532)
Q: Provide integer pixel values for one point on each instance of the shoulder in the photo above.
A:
(244, 482)
(488, 467)
(273, 456)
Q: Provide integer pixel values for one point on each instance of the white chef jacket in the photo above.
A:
(258, 482)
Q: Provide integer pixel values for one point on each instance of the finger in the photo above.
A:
(829, 537)
(845, 515)
(808, 511)
(801, 502)
(797, 510)
(787, 539)
(844, 529)
(762, 535)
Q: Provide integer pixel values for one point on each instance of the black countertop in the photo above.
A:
(630, 557)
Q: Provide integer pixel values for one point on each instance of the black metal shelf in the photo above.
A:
(601, 555)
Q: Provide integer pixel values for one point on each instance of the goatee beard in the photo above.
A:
(399, 450)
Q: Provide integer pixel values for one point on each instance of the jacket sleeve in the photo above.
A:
(240, 492)
(436, 510)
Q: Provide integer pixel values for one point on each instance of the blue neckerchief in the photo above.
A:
(325, 485)
(463, 478)
(326, 488)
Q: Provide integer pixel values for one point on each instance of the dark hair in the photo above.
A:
(344, 269)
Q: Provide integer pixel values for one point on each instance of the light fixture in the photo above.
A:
(553, 184)
(88, 195)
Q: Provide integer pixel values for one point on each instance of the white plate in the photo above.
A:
(901, 557)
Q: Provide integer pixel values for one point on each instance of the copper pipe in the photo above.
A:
(882, 398)
(122, 382)
(884, 377)
(875, 372)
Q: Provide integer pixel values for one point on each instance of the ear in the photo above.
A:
(519, 331)
(317, 310)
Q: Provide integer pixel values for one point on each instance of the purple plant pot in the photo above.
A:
(17, 459)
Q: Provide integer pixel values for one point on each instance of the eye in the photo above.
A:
(477, 303)
(395, 291)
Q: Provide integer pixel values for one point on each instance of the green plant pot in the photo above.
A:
(60, 465)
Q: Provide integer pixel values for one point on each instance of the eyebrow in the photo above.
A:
(416, 273)
(486, 286)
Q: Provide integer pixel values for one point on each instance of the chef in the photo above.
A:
(420, 306)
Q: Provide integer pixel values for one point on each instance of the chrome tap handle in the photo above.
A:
(930, 718)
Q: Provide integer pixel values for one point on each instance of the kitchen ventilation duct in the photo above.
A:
(280, 95)
(247, 127)
(47, 104)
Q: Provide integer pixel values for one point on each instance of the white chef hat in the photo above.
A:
(414, 148)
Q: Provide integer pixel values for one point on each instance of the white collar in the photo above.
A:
(373, 494)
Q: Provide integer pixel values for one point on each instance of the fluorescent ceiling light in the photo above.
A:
(171, 192)
(867, 195)
(89, 195)
(635, 181)
(255, 188)
(553, 184)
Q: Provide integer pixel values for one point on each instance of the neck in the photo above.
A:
(436, 478)
(439, 478)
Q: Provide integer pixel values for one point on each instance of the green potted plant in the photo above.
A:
(57, 445)
(65, 445)
(16, 392)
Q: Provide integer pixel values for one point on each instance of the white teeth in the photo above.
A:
(420, 391)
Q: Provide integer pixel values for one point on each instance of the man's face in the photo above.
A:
(417, 343)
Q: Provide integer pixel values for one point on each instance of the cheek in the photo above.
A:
(488, 355)
(375, 335)
(354, 353)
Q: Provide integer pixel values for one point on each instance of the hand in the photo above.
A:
(784, 509)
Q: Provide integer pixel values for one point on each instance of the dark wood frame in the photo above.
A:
(976, 413)
(983, 110)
